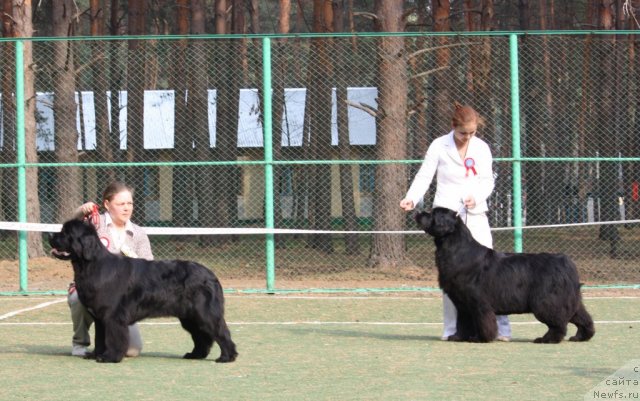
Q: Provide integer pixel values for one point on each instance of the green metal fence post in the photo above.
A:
(268, 166)
(515, 128)
(23, 255)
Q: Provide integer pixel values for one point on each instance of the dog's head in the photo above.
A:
(77, 240)
(438, 223)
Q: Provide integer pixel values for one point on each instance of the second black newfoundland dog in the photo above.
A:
(119, 291)
(483, 283)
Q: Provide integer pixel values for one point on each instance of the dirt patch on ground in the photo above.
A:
(49, 274)
(44, 274)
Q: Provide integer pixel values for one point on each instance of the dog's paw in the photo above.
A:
(547, 340)
(193, 355)
(227, 358)
(106, 358)
(90, 355)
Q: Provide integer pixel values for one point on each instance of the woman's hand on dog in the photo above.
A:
(87, 208)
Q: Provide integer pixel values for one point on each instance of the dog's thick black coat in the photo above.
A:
(483, 283)
(119, 291)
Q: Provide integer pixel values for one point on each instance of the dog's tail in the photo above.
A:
(582, 319)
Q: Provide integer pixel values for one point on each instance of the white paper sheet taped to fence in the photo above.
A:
(159, 118)
(51, 228)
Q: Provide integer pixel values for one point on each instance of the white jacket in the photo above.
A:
(455, 181)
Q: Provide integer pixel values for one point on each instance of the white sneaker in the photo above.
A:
(505, 339)
(78, 350)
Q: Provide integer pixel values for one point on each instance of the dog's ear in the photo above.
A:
(83, 240)
(77, 248)
(90, 247)
(423, 220)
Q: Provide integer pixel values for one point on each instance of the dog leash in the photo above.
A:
(94, 216)
(464, 209)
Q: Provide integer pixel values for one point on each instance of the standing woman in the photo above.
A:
(463, 164)
(120, 236)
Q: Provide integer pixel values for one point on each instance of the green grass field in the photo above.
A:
(317, 348)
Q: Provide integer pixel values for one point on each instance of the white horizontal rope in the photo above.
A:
(38, 227)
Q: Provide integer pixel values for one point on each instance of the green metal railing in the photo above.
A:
(516, 159)
(269, 208)
(21, 159)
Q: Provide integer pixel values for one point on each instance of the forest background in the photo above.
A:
(102, 18)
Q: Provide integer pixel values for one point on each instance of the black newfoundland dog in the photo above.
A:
(119, 291)
(483, 283)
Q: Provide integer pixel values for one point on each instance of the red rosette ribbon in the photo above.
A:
(470, 164)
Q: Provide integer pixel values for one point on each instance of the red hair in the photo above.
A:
(465, 114)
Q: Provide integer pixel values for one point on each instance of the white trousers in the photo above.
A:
(451, 319)
(82, 321)
(478, 224)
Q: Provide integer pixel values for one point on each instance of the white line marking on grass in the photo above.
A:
(332, 297)
(21, 298)
(391, 323)
(375, 297)
(309, 323)
(39, 306)
(34, 324)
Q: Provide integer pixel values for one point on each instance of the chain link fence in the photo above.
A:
(183, 121)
